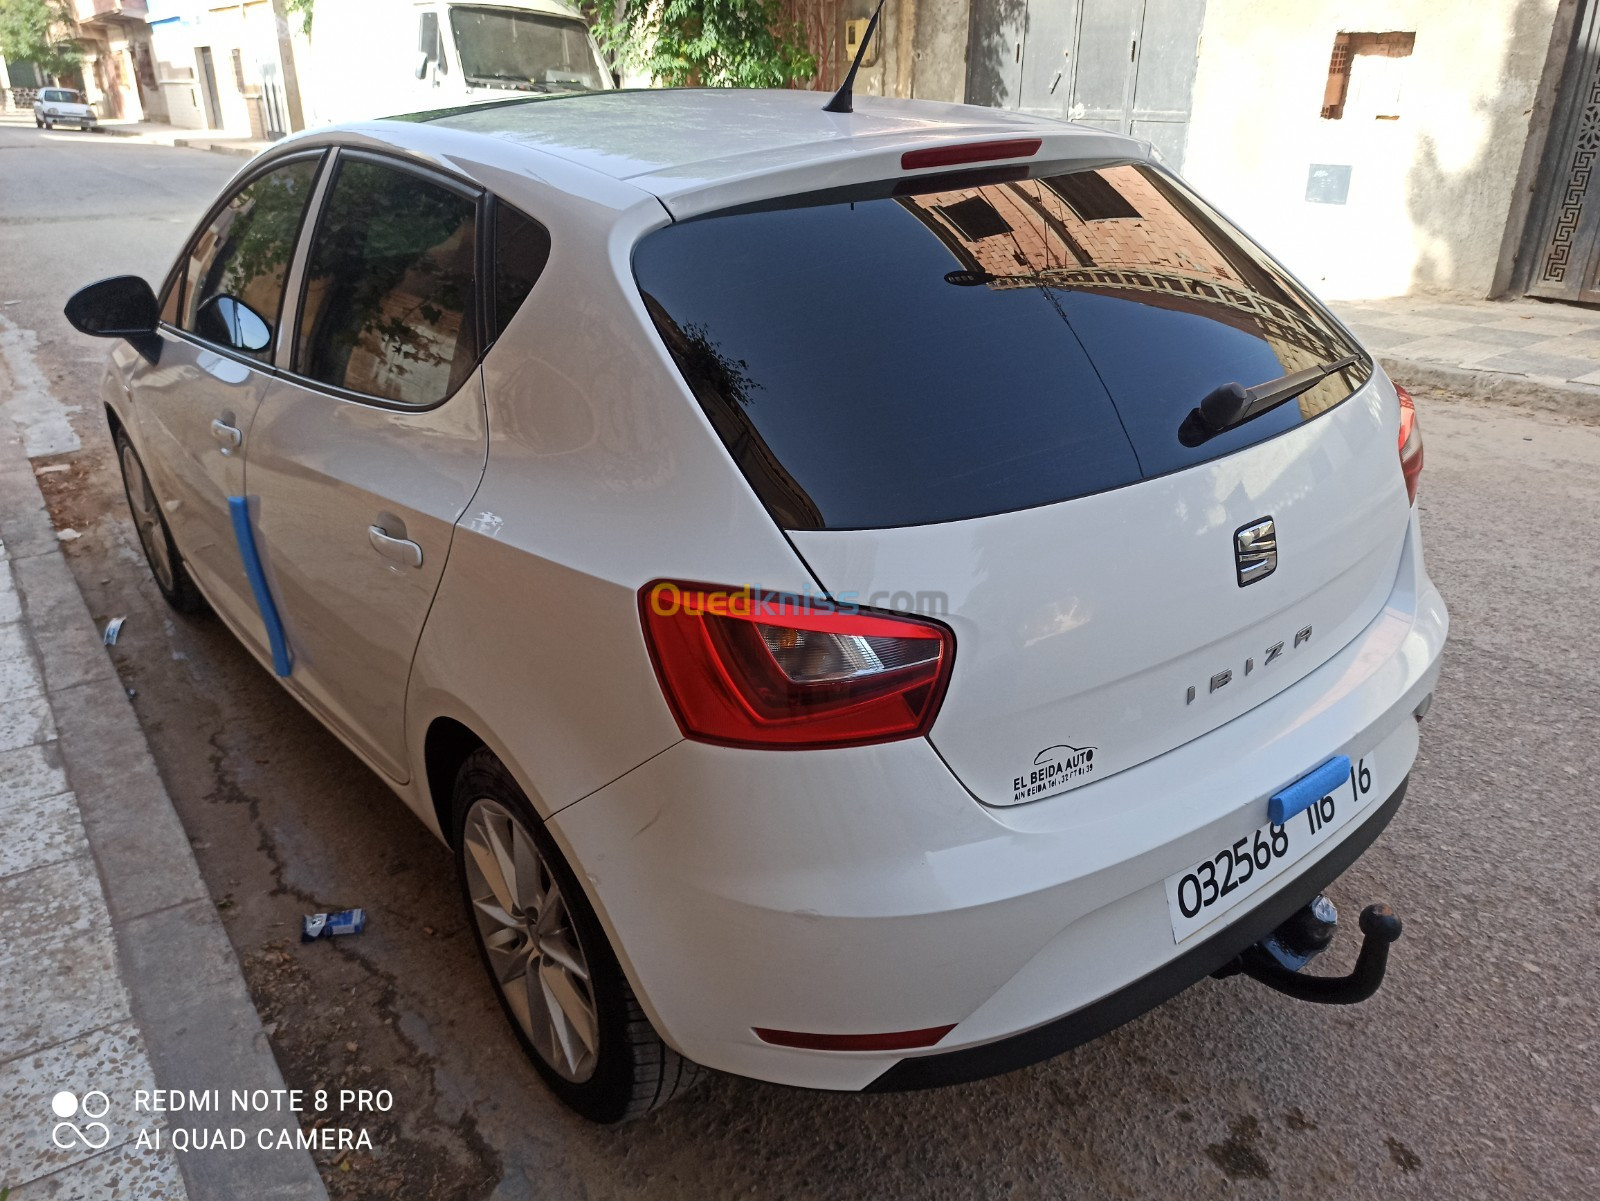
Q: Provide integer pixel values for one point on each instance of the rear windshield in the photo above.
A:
(872, 359)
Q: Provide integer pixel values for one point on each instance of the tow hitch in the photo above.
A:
(1276, 960)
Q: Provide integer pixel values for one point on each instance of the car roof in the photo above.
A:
(699, 149)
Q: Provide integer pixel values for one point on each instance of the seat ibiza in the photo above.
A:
(872, 599)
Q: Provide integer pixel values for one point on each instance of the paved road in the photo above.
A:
(1472, 1074)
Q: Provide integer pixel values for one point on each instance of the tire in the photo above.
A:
(49, 124)
(629, 1071)
(38, 124)
(160, 552)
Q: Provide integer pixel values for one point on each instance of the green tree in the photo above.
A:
(37, 31)
(705, 43)
(301, 9)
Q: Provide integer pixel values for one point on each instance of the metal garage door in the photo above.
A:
(1124, 65)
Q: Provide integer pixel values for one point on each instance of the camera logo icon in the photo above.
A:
(92, 1105)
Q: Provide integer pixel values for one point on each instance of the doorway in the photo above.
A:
(208, 88)
(1122, 65)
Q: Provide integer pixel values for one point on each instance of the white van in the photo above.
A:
(373, 58)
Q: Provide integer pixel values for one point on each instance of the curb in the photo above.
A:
(185, 988)
(1531, 392)
(216, 147)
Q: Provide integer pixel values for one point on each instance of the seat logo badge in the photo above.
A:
(1255, 550)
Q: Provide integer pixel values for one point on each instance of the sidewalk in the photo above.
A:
(156, 133)
(1537, 352)
(219, 141)
(115, 972)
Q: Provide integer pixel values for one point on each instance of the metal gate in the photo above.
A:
(1123, 65)
(1568, 260)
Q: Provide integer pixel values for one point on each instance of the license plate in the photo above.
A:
(1198, 896)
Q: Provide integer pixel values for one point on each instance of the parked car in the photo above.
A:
(62, 106)
(371, 58)
(871, 600)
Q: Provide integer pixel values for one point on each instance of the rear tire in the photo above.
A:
(160, 552)
(554, 971)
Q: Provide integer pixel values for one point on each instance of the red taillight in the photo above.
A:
(1410, 443)
(970, 152)
(899, 1040)
(742, 667)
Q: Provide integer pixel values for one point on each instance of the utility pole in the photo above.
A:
(291, 77)
(905, 50)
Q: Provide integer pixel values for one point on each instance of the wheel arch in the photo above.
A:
(446, 746)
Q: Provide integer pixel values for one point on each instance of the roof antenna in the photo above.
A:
(844, 99)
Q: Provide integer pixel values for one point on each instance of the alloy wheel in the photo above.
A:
(147, 518)
(531, 940)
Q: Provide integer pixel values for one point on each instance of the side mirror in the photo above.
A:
(421, 71)
(231, 322)
(120, 307)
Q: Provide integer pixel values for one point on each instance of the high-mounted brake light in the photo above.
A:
(970, 152)
(1410, 443)
(748, 668)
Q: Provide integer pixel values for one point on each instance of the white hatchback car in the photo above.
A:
(873, 599)
(62, 106)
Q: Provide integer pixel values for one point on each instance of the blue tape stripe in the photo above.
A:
(1309, 789)
(239, 510)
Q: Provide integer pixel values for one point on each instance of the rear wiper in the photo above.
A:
(1232, 404)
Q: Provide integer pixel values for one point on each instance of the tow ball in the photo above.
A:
(1277, 959)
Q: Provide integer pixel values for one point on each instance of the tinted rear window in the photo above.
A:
(876, 360)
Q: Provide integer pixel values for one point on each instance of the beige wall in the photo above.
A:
(921, 48)
(1430, 194)
(248, 27)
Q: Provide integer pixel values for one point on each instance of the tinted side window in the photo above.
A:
(389, 297)
(232, 288)
(521, 249)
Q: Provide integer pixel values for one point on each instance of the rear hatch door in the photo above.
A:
(974, 398)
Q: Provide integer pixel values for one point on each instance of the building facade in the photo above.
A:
(1379, 147)
(118, 70)
(226, 66)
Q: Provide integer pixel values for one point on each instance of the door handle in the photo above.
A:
(227, 436)
(401, 550)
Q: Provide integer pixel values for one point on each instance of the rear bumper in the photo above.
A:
(864, 891)
(1144, 994)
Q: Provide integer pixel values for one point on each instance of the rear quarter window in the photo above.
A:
(873, 359)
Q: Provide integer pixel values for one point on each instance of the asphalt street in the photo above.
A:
(1472, 1074)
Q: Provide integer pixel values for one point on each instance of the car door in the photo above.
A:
(193, 407)
(371, 443)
